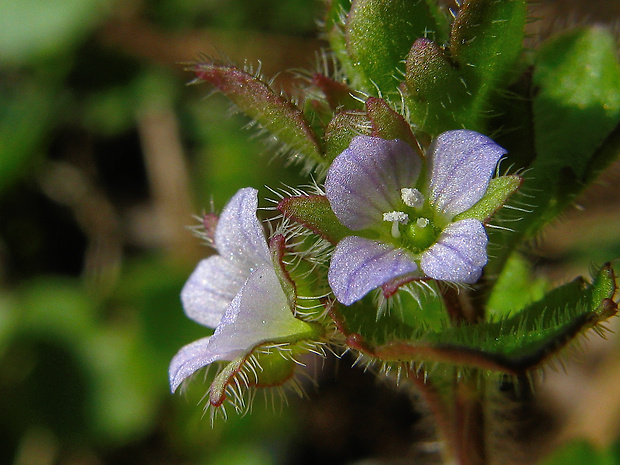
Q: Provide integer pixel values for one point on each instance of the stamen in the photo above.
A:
(396, 217)
(412, 197)
(422, 222)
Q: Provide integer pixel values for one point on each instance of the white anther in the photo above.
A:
(396, 217)
(400, 217)
(422, 222)
(412, 197)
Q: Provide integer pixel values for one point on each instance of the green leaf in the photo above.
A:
(379, 34)
(576, 112)
(499, 190)
(578, 103)
(486, 41)
(577, 107)
(515, 288)
(270, 109)
(25, 118)
(512, 345)
(315, 213)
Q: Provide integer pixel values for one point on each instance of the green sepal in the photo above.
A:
(315, 213)
(277, 246)
(268, 364)
(270, 109)
(244, 373)
(435, 93)
(486, 42)
(499, 190)
(511, 345)
(342, 129)
(388, 124)
(379, 34)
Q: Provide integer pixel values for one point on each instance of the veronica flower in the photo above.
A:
(237, 292)
(404, 210)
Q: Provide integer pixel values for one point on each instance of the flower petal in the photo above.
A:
(461, 163)
(459, 254)
(240, 241)
(365, 180)
(260, 312)
(360, 265)
(211, 287)
(239, 235)
(188, 360)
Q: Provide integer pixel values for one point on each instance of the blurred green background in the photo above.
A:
(105, 155)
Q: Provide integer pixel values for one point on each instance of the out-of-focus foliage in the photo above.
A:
(105, 154)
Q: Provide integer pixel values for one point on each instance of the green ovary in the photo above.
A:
(419, 235)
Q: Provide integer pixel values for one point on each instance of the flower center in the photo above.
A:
(415, 231)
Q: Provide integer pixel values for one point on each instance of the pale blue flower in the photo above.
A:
(237, 292)
(403, 209)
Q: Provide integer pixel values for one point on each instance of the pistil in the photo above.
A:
(396, 218)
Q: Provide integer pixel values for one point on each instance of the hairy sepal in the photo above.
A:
(277, 248)
(258, 369)
(388, 124)
(269, 364)
(497, 194)
(315, 213)
(338, 94)
(270, 109)
(342, 129)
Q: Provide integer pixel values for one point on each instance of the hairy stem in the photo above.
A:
(469, 440)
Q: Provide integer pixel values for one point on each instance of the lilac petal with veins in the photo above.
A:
(365, 180)
(258, 313)
(241, 247)
(239, 235)
(459, 254)
(360, 265)
(461, 163)
(188, 360)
